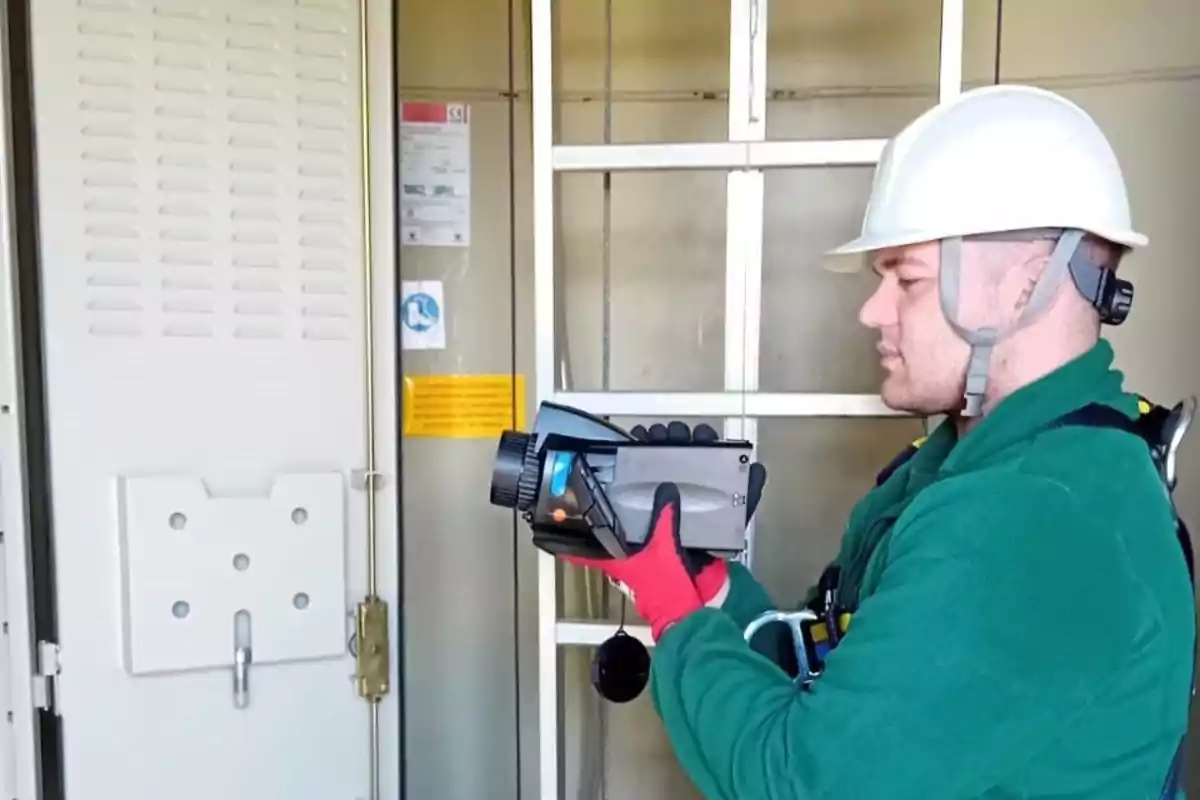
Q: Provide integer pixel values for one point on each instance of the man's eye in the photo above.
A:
(907, 282)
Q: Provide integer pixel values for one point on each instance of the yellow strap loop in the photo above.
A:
(820, 633)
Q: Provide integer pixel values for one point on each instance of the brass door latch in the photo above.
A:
(372, 653)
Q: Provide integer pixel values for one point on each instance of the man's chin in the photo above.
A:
(898, 397)
(894, 396)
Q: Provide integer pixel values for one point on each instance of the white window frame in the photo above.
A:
(744, 156)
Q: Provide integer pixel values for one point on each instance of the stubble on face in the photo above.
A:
(922, 358)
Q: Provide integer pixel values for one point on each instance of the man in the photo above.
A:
(1022, 619)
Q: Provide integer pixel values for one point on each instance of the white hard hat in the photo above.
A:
(995, 159)
(1010, 160)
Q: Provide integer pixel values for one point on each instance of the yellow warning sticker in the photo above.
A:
(462, 406)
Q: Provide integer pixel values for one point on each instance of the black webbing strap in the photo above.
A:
(1149, 428)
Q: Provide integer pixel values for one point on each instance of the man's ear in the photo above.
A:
(1026, 276)
(1022, 279)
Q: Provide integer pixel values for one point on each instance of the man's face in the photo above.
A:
(923, 359)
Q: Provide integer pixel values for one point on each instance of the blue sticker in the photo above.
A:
(420, 312)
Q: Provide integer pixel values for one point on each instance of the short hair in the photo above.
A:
(1103, 253)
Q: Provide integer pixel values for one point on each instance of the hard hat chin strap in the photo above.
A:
(1066, 258)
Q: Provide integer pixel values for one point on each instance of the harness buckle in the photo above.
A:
(814, 634)
(1174, 429)
(797, 623)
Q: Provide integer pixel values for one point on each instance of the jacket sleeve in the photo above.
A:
(935, 687)
(747, 599)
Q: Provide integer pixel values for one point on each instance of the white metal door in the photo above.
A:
(209, 342)
(744, 156)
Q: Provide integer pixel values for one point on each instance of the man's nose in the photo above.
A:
(879, 311)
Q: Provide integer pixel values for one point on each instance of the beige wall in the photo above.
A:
(858, 69)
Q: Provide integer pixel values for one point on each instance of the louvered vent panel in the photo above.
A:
(217, 174)
(202, 307)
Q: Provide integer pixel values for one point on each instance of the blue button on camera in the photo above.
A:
(560, 472)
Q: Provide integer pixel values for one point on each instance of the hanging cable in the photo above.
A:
(602, 586)
(512, 349)
(371, 686)
(368, 304)
(999, 37)
(752, 110)
(399, 360)
(606, 223)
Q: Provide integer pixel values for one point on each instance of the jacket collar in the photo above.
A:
(1089, 378)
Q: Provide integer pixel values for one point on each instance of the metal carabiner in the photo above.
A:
(794, 620)
(1175, 429)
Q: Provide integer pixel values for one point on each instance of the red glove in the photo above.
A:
(713, 583)
(658, 581)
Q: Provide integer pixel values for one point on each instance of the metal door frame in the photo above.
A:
(30, 745)
(744, 157)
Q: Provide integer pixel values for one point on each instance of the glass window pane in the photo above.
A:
(811, 339)
(840, 71)
(618, 752)
(642, 306)
(862, 69)
(669, 71)
(822, 55)
(817, 469)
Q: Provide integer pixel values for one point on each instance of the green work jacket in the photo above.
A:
(1024, 629)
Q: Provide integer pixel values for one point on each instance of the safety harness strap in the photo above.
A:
(1149, 427)
(896, 463)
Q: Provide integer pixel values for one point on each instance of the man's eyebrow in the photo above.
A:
(898, 261)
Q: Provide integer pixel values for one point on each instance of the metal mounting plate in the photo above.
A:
(191, 562)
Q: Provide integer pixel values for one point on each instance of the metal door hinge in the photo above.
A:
(372, 649)
(45, 677)
(365, 480)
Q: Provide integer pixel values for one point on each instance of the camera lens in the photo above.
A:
(515, 472)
